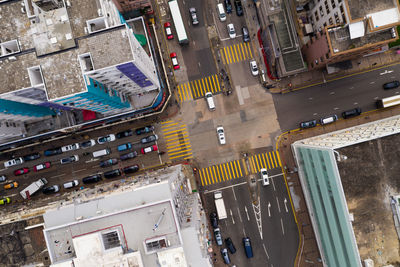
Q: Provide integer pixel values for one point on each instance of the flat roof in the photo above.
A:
(359, 9)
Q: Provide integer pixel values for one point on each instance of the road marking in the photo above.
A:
(234, 195)
(60, 175)
(247, 214)
(257, 214)
(277, 201)
(248, 46)
(244, 233)
(285, 201)
(240, 217)
(269, 209)
(265, 250)
(233, 221)
(201, 178)
(283, 230)
(222, 188)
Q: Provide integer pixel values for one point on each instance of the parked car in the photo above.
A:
(88, 143)
(92, 179)
(231, 30)
(149, 139)
(214, 220)
(124, 134)
(70, 147)
(127, 156)
(13, 162)
(221, 135)
(71, 184)
(108, 162)
(69, 159)
(253, 68)
(351, 113)
(3, 178)
(11, 185)
(239, 8)
(391, 85)
(229, 244)
(225, 255)
(53, 151)
(146, 129)
(112, 174)
(21, 171)
(193, 14)
(228, 6)
(246, 35)
(41, 166)
(124, 147)
(5, 200)
(247, 247)
(32, 156)
(106, 139)
(131, 169)
(328, 119)
(51, 189)
(174, 61)
(308, 124)
(218, 237)
(168, 31)
(149, 149)
(264, 177)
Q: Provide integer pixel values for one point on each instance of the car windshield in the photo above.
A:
(264, 173)
(220, 131)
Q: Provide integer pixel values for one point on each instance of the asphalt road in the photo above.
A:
(334, 97)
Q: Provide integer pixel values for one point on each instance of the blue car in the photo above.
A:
(247, 247)
(124, 147)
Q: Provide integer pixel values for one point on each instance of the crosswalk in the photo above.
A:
(177, 140)
(238, 168)
(236, 53)
(198, 88)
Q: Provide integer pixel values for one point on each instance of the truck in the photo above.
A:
(220, 205)
(33, 188)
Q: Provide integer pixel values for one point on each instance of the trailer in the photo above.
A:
(220, 205)
(33, 188)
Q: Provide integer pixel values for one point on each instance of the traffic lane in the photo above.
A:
(334, 97)
(278, 223)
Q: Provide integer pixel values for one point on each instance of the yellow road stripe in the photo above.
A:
(279, 158)
(215, 174)
(266, 156)
(229, 55)
(204, 87)
(240, 168)
(178, 145)
(259, 158)
(188, 148)
(182, 129)
(231, 168)
(180, 94)
(248, 45)
(213, 79)
(211, 175)
(183, 137)
(208, 88)
(229, 171)
(246, 171)
(244, 55)
(222, 172)
(165, 122)
(273, 154)
(169, 125)
(208, 176)
(226, 56)
(236, 53)
(245, 49)
(177, 149)
(180, 156)
(256, 163)
(263, 158)
(240, 54)
(183, 92)
(233, 54)
(219, 88)
(219, 175)
(190, 157)
(211, 87)
(272, 162)
(225, 172)
(252, 165)
(172, 130)
(222, 55)
(203, 176)
(236, 169)
(189, 91)
(193, 91)
(172, 127)
(201, 179)
(198, 88)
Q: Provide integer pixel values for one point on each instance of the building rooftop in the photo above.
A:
(359, 9)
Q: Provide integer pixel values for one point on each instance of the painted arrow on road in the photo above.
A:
(257, 213)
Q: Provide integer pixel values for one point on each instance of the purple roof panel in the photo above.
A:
(133, 73)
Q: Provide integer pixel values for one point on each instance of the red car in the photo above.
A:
(42, 166)
(21, 171)
(168, 30)
(149, 149)
(174, 61)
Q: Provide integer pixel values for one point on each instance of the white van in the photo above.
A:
(210, 101)
(221, 12)
(100, 153)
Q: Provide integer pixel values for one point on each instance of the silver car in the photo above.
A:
(193, 14)
(218, 236)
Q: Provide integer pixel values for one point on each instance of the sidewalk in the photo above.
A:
(308, 254)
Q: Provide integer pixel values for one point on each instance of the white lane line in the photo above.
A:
(59, 175)
(240, 217)
(279, 207)
(245, 209)
(81, 170)
(244, 233)
(233, 221)
(234, 195)
(265, 250)
(269, 209)
(273, 184)
(222, 188)
(285, 201)
(283, 230)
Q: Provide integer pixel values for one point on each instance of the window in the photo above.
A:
(321, 11)
(111, 240)
(327, 7)
(333, 3)
(316, 16)
(330, 21)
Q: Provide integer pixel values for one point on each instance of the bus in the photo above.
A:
(179, 26)
(388, 102)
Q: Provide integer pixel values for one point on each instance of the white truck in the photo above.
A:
(220, 205)
(33, 188)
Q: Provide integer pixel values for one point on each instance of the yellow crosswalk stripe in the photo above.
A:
(219, 175)
(240, 168)
(279, 158)
(208, 176)
(236, 53)
(189, 157)
(226, 56)
(270, 158)
(193, 91)
(233, 54)
(246, 171)
(273, 154)
(259, 158)
(201, 178)
(204, 87)
(266, 156)
(168, 125)
(189, 90)
(181, 148)
(180, 94)
(211, 175)
(225, 172)
(248, 45)
(211, 87)
(222, 172)
(219, 88)
(241, 46)
(263, 158)
(187, 153)
(245, 50)
(256, 163)
(229, 55)
(239, 53)
(229, 171)
(251, 164)
(213, 79)
(198, 88)
(183, 92)
(178, 145)
(166, 122)
(218, 179)
(221, 52)
(170, 132)
(236, 169)
(178, 138)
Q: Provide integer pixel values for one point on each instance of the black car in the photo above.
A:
(214, 220)
(308, 124)
(391, 85)
(229, 244)
(32, 156)
(124, 134)
(228, 6)
(51, 189)
(130, 155)
(92, 179)
(239, 8)
(351, 113)
(131, 169)
(149, 139)
(246, 36)
(112, 174)
(108, 162)
(88, 143)
(53, 151)
(146, 129)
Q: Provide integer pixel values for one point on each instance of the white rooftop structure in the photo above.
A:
(356, 30)
(385, 17)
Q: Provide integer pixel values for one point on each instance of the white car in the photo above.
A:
(264, 177)
(221, 135)
(70, 147)
(13, 162)
(105, 139)
(254, 68)
(231, 30)
(71, 184)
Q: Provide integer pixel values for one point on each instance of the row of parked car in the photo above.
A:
(332, 118)
(228, 241)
